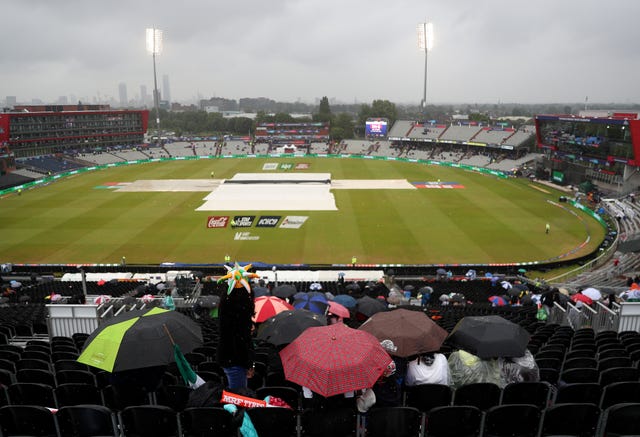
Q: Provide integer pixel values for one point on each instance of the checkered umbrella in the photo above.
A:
(334, 359)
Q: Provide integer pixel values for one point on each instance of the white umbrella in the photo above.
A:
(592, 293)
(506, 285)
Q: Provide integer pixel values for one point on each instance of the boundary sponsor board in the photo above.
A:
(217, 221)
(293, 221)
(270, 166)
(268, 221)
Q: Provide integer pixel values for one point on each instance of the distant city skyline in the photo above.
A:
(493, 51)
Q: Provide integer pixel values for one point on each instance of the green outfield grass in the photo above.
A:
(491, 220)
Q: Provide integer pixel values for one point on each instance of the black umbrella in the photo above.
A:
(489, 337)
(284, 291)
(286, 326)
(369, 306)
(353, 286)
(260, 291)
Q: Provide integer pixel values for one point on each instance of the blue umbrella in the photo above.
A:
(313, 301)
(345, 300)
(299, 295)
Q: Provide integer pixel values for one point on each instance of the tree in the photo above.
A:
(324, 111)
(342, 127)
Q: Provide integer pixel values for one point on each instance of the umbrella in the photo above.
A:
(506, 285)
(268, 306)
(334, 359)
(315, 286)
(489, 337)
(579, 297)
(338, 310)
(409, 287)
(353, 286)
(412, 332)
(300, 295)
(15, 284)
(140, 338)
(368, 306)
(147, 298)
(287, 325)
(592, 293)
(345, 300)
(498, 301)
(99, 300)
(208, 301)
(260, 291)
(284, 291)
(425, 290)
(313, 301)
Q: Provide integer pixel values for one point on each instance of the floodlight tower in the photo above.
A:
(154, 46)
(425, 42)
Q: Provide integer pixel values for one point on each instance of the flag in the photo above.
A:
(191, 378)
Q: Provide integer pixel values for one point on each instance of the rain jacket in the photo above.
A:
(466, 368)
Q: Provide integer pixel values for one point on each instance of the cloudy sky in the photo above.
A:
(547, 51)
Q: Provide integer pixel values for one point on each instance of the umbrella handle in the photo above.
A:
(173, 343)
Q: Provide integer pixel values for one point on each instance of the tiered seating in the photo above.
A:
(50, 164)
(491, 136)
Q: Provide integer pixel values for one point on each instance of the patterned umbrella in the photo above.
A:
(268, 306)
(334, 359)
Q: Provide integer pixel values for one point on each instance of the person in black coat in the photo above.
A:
(235, 351)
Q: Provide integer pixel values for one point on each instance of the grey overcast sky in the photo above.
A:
(543, 51)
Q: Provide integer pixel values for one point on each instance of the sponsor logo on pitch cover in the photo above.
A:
(268, 221)
(217, 221)
(243, 221)
(293, 221)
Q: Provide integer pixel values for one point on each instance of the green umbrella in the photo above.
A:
(140, 338)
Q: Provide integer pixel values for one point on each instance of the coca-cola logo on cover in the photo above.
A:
(217, 221)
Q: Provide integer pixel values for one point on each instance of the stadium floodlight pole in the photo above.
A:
(425, 42)
(154, 46)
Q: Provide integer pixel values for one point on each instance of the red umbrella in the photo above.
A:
(268, 306)
(338, 310)
(334, 359)
(579, 297)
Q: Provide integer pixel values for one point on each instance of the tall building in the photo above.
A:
(144, 99)
(11, 101)
(122, 92)
(165, 88)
